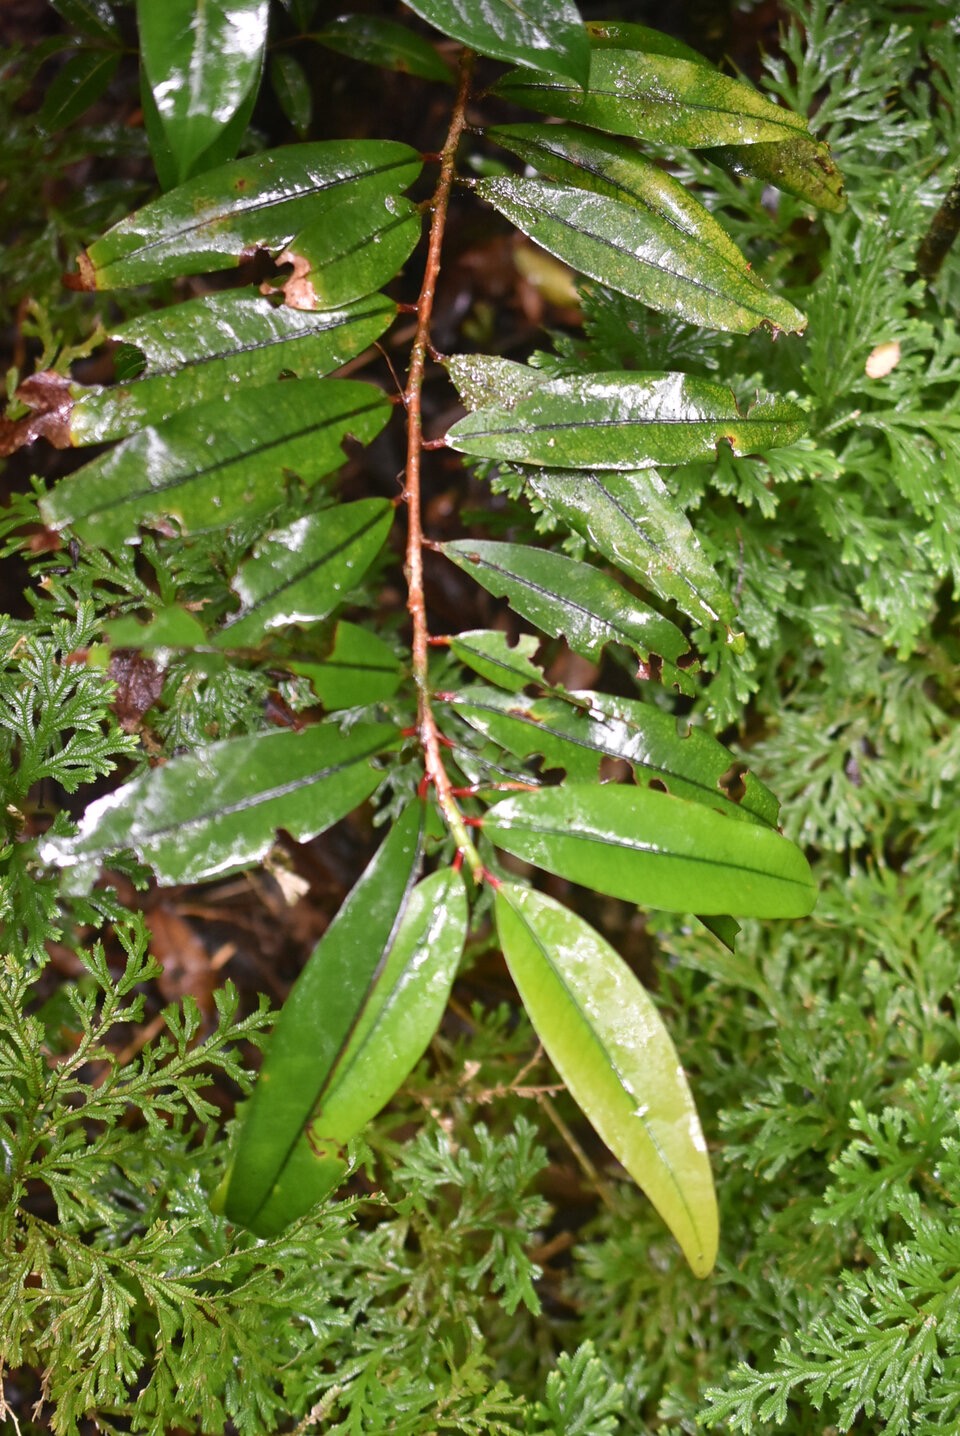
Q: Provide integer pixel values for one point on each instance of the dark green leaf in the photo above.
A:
(90, 17)
(380, 41)
(576, 734)
(201, 59)
(217, 810)
(490, 653)
(570, 599)
(655, 850)
(337, 261)
(79, 84)
(317, 1019)
(656, 97)
(633, 520)
(218, 460)
(640, 252)
(394, 1022)
(544, 34)
(195, 351)
(262, 202)
(605, 1037)
(360, 669)
(800, 166)
(302, 573)
(624, 421)
(292, 89)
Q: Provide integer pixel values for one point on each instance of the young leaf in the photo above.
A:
(639, 253)
(624, 421)
(360, 669)
(302, 573)
(576, 732)
(217, 810)
(570, 599)
(215, 461)
(544, 34)
(379, 41)
(607, 1040)
(201, 59)
(662, 98)
(395, 1016)
(195, 351)
(262, 202)
(317, 1018)
(633, 520)
(655, 850)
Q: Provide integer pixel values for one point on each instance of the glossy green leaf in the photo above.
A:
(315, 1023)
(655, 97)
(360, 669)
(262, 202)
(379, 41)
(606, 1039)
(217, 810)
(632, 519)
(623, 35)
(392, 1031)
(801, 166)
(483, 380)
(292, 89)
(639, 252)
(544, 34)
(301, 573)
(570, 599)
(195, 351)
(351, 255)
(209, 464)
(624, 421)
(81, 81)
(571, 155)
(201, 59)
(491, 654)
(90, 17)
(655, 850)
(576, 733)
(169, 628)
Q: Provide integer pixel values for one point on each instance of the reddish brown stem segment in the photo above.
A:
(430, 738)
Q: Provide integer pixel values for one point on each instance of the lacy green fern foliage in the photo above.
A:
(224, 410)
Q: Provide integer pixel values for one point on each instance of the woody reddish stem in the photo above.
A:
(430, 738)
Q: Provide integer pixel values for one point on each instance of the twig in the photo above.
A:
(436, 773)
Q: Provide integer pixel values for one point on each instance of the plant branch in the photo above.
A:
(436, 773)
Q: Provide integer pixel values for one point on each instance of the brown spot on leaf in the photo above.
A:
(298, 291)
(85, 277)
